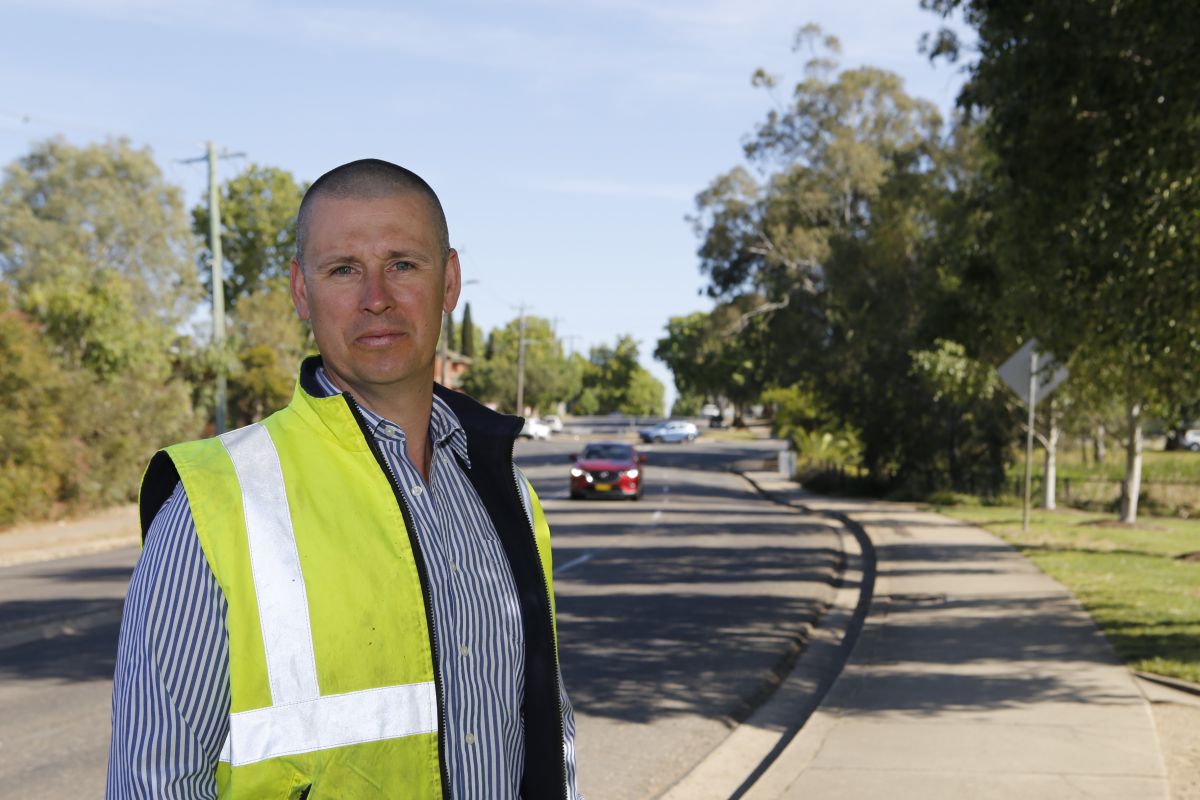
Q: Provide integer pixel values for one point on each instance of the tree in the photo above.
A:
(687, 404)
(96, 258)
(849, 244)
(258, 229)
(613, 380)
(449, 333)
(467, 333)
(35, 400)
(69, 212)
(93, 323)
(269, 342)
(826, 155)
(549, 377)
(719, 354)
(683, 350)
(1089, 109)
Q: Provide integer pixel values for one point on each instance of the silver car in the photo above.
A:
(672, 431)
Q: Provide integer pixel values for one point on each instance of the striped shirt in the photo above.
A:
(171, 687)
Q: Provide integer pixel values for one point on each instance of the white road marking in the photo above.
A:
(575, 562)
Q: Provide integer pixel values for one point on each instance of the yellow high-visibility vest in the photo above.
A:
(331, 666)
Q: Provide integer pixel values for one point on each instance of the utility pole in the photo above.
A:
(218, 281)
(521, 360)
(218, 274)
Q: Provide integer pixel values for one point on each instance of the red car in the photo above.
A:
(607, 469)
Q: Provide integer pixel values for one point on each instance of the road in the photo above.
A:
(673, 612)
(54, 694)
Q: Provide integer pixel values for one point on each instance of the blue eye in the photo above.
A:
(341, 270)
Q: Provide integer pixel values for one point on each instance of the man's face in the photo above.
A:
(374, 284)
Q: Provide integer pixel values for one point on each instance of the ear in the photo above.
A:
(453, 276)
(299, 289)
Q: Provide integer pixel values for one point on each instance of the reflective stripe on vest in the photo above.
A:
(299, 719)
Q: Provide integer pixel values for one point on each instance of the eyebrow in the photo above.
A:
(408, 255)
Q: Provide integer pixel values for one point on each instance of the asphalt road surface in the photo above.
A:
(55, 693)
(673, 612)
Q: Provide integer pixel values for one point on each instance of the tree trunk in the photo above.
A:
(1132, 485)
(1099, 443)
(1050, 473)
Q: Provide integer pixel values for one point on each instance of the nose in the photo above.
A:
(376, 298)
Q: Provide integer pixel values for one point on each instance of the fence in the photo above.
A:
(1170, 498)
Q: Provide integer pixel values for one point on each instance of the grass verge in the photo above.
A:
(1133, 580)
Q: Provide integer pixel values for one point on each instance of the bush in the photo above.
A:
(35, 397)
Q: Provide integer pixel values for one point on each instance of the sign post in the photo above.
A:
(1032, 403)
(1030, 374)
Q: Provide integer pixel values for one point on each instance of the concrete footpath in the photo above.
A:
(970, 674)
(48, 541)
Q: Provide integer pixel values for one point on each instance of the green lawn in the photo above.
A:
(1130, 579)
(729, 434)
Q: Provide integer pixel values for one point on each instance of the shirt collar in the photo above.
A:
(445, 430)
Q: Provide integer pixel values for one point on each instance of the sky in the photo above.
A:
(567, 140)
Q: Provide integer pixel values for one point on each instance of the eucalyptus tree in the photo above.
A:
(1089, 107)
(834, 224)
(258, 230)
(96, 258)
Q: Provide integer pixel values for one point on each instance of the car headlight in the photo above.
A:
(576, 472)
(633, 473)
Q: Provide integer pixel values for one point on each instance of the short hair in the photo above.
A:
(368, 178)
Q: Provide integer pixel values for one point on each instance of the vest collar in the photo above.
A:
(485, 429)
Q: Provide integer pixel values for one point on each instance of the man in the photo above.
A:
(353, 598)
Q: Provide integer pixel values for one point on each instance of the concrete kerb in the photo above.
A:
(735, 765)
(105, 530)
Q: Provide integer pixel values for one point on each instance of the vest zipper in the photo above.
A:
(562, 733)
(422, 573)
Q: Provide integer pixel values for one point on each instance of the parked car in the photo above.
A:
(554, 423)
(673, 431)
(1191, 440)
(607, 469)
(534, 428)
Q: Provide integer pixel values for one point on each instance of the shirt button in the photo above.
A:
(470, 737)
(417, 490)
(464, 651)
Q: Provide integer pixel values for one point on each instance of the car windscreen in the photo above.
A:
(608, 452)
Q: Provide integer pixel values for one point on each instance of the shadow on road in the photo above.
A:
(686, 608)
(87, 656)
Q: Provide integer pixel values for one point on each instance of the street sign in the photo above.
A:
(1032, 376)
(1015, 372)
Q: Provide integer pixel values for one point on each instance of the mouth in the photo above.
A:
(382, 338)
